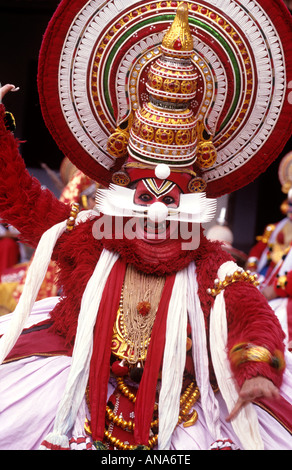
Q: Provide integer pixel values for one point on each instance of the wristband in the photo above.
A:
(248, 352)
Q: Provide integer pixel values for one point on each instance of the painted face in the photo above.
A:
(151, 190)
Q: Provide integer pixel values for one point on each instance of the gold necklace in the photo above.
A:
(136, 315)
(187, 402)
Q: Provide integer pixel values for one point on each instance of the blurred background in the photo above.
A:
(23, 23)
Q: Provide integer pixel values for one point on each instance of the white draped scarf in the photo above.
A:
(35, 276)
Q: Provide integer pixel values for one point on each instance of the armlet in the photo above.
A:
(238, 275)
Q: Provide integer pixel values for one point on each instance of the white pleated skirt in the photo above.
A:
(31, 389)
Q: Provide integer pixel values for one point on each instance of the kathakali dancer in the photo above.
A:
(159, 340)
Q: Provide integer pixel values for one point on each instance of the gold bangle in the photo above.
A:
(247, 352)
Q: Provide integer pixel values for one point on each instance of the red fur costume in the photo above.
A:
(33, 210)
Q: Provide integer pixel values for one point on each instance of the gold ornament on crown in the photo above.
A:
(165, 129)
(178, 40)
(206, 151)
(118, 141)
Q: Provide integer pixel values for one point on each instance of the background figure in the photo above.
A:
(222, 233)
(271, 257)
(75, 187)
(9, 256)
(9, 249)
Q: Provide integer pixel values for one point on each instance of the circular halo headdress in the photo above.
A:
(201, 86)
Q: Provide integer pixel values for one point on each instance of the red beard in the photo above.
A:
(77, 253)
(166, 257)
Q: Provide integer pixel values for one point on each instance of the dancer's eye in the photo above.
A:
(168, 200)
(145, 197)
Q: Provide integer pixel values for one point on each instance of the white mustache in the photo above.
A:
(118, 201)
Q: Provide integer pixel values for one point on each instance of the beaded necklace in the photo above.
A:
(136, 315)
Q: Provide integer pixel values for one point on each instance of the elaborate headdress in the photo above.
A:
(121, 92)
(165, 133)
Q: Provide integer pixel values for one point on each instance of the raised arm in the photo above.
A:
(24, 204)
(255, 344)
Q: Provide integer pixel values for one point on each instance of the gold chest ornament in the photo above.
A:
(135, 318)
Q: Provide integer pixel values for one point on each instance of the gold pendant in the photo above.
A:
(121, 346)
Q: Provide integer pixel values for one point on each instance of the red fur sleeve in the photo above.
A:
(23, 202)
(78, 253)
(251, 320)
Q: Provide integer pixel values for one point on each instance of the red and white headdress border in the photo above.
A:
(92, 74)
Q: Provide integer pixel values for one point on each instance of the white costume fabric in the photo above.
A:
(31, 389)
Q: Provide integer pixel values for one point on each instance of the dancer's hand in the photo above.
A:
(6, 89)
(257, 387)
